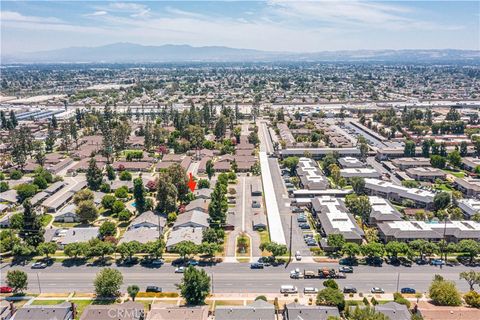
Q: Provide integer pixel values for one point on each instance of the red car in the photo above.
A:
(5, 290)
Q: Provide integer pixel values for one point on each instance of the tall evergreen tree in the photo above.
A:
(94, 175)
(21, 143)
(31, 232)
(13, 119)
(139, 194)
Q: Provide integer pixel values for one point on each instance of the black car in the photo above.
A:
(408, 290)
(349, 289)
(153, 289)
(256, 265)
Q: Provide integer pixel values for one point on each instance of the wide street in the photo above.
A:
(237, 277)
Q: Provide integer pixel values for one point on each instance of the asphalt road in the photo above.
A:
(238, 277)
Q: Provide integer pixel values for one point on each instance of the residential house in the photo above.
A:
(193, 219)
(204, 193)
(124, 311)
(67, 214)
(394, 311)
(469, 186)
(406, 163)
(148, 219)
(296, 311)
(429, 311)
(75, 235)
(310, 175)
(425, 174)
(169, 312)
(469, 207)
(382, 211)
(258, 310)
(350, 162)
(184, 234)
(198, 204)
(470, 163)
(359, 172)
(63, 311)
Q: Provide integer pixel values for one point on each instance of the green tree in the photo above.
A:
(331, 297)
(166, 194)
(217, 209)
(47, 248)
(444, 293)
(108, 200)
(209, 169)
(220, 127)
(98, 248)
(195, 286)
(17, 280)
(441, 200)
(409, 150)
(108, 228)
(330, 283)
(26, 190)
(155, 248)
(360, 206)
(455, 158)
(110, 172)
(125, 176)
(76, 249)
(139, 195)
(32, 231)
(394, 248)
(118, 206)
(209, 248)
(472, 277)
(358, 185)
(21, 144)
(291, 164)
(94, 175)
(186, 248)
(274, 248)
(87, 211)
(335, 240)
(350, 249)
(83, 195)
(128, 249)
(178, 176)
(133, 291)
(470, 247)
(366, 313)
(373, 249)
(438, 161)
(107, 282)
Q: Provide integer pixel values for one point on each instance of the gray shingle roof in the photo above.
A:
(258, 310)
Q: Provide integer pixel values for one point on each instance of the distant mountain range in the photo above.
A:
(135, 53)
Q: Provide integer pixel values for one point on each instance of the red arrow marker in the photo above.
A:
(191, 183)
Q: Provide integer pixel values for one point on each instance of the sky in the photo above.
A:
(272, 25)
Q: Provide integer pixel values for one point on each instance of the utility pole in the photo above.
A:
(39, 286)
(398, 280)
(212, 284)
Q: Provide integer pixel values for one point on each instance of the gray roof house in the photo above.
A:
(169, 312)
(62, 311)
(198, 204)
(74, 235)
(9, 196)
(258, 310)
(296, 311)
(148, 219)
(203, 193)
(125, 311)
(54, 187)
(141, 234)
(194, 219)
(67, 214)
(394, 311)
(184, 234)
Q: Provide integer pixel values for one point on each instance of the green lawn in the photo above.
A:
(81, 305)
(458, 174)
(264, 236)
(443, 187)
(46, 302)
(46, 219)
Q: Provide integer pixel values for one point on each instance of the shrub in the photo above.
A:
(105, 187)
(16, 174)
(125, 176)
(121, 193)
(261, 298)
(365, 301)
(124, 215)
(117, 206)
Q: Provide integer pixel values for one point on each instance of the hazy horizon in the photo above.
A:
(275, 25)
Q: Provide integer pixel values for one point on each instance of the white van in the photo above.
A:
(288, 289)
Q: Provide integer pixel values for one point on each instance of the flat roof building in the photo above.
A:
(334, 218)
(310, 175)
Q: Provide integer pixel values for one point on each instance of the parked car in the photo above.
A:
(310, 290)
(304, 226)
(408, 290)
(288, 289)
(437, 262)
(301, 218)
(5, 289)
(180, 270)
(256, 265)
(157, 262)
(192, 263)
(153, 289)
(39, 265)
(349, 289)
(421, 261)
(377, 290)
(346, 269)
(298, 210)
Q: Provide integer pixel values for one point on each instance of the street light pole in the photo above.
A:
(39, 286)
(398, 280)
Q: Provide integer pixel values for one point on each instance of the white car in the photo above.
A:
(377, 290)
(180, 270)
(298, 256)
(310, 290)
(296, 274)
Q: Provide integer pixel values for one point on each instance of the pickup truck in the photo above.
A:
(326, 273)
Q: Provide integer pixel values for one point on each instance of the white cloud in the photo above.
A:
(98, 13)
(18, 17)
